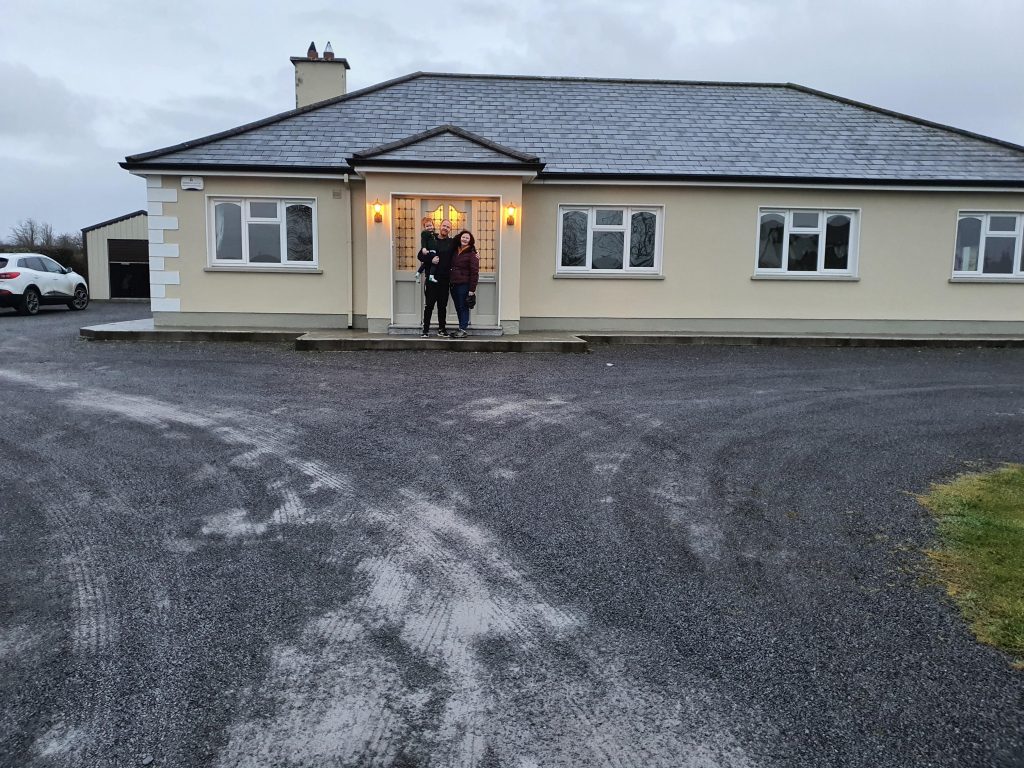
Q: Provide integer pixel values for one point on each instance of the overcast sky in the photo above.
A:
(84, 84)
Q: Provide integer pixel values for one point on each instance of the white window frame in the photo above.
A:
(1018, 253)
(280, 219)
(625, 228)
(782, 271)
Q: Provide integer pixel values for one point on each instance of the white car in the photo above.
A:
(29, 280)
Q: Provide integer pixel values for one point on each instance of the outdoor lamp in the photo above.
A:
(378, 207)
(510, 215)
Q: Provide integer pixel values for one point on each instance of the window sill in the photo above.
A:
(987, 279)
(273, 269)
(604, 276)
(809, 277)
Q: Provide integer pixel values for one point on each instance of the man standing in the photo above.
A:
(437, 292)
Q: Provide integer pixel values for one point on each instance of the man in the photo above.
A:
(437, 292)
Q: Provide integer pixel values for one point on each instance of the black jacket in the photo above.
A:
(445, 250)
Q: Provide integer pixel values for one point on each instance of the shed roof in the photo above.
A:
(600, 128)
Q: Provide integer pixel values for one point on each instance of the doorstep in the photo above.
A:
(348, 340)
(416, 330)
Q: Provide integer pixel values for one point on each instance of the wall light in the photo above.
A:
(510, 215)
(378, 208)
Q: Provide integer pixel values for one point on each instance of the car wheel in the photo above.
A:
(80, 300)
(29, 302)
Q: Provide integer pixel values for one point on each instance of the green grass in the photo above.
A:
(981, 555)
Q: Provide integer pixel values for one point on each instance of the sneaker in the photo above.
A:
(424, 335)
(460, 334)
(432, 279)
(443, 333)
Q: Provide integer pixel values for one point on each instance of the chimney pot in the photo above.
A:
(328, 52)
(311, 53)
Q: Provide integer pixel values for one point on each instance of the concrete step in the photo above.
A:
(524, 342)
(415, 330)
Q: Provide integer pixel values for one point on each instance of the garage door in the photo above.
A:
(129, 269)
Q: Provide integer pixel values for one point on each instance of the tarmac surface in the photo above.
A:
(243, 555)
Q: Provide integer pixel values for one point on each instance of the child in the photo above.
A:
(428, 243)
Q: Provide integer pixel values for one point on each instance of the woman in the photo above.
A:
(464, 275)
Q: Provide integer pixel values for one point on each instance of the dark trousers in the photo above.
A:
(459, 294)
(436, 293)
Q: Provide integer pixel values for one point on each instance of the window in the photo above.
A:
(988, 245)
(263, 232)
(608, 240)
(795, 242)
(52, 266)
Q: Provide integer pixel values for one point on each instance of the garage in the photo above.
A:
(117, 252)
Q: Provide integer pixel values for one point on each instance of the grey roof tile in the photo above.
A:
(621, 127)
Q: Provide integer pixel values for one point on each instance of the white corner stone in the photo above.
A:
(156, 262)
(157, 291)
(154, 181)
(165, 305)
(163, 222)
(164, 278)
(167, 250)
(156, 236)
(155, 209)
(158, 195)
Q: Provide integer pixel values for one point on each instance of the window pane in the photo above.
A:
(300, 232)
(609, 218)
(265, 243)
(263, 210)
(803, 253)
(641, 239)
(228, 230)
(769, 250)
(999, 255)
(52, 266)
(968, 242)
(837, 242)
(805, 219)
(1002, 224)
(608, 248)
(574, 239)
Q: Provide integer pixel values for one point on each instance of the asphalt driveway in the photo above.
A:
(243, 555)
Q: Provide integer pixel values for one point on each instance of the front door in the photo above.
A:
(479, 216)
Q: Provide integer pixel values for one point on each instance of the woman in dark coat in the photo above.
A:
(464, 275)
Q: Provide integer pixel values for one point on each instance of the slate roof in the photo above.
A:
(593, 128)
(447, 145)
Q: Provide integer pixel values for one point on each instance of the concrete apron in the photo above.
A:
(558, 342)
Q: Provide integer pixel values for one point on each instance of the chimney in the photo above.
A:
(318, 79)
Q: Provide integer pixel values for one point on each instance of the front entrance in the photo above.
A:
(479, 216)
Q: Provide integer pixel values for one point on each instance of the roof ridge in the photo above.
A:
(904, 116)
(582, 79)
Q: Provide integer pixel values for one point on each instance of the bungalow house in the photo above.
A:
(597, 204)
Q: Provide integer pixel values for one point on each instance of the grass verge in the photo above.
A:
(981, 555)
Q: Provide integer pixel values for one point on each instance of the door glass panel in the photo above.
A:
(608, 247)
(458, 218)
(968, 243)
(574, 239)
(837, 242)
(999, 255)
(641, 239)
(769, 249)
(265, 243)
(485, 229)
(803, 253)
(228, 230)
(407, 225)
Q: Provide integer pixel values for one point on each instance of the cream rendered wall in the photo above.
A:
(99, 256)
(250, 297)
(384, 186)
(710, 240)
